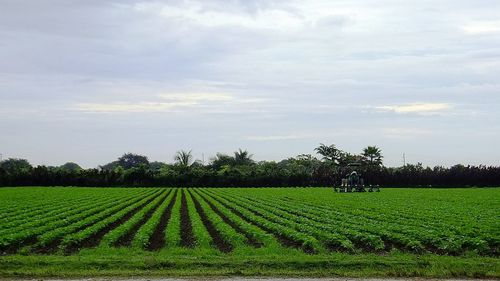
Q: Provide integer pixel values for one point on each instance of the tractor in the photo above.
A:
(355, 183)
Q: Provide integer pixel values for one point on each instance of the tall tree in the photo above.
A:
(346, 158)
(131, 160)
(183, 158)
(15, 166)
(242, 157)
(372, 155)
(110, 166)
(221, 160)
(329, 152)
(70, 166)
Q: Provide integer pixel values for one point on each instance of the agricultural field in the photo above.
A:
(249, 231)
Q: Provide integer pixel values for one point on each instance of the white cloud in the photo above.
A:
(197, 97)
(197, 13)
(286, 17)
(482, 27)
(127, 107)
(417, 108)
(271, 70)
(402, 132)
(277, 138)
(169, 102)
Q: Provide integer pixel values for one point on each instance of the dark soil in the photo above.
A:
(217, 239)
(93, 240)
(250, 240)
(12, 249)
(126, 240)
(157, 240)
(187, 237)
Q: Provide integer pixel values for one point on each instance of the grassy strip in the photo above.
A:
(128, 264)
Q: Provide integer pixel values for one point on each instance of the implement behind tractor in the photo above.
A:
(355, 183)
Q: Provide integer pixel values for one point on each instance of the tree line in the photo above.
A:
(240, 170)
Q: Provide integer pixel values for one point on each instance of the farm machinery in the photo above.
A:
(355, 183)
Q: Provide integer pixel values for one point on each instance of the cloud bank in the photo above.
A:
(87, 81)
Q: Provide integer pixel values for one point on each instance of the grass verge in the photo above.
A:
(192, 263)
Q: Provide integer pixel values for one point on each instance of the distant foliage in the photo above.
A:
(130, 160)
(70, 166)
(241, 170)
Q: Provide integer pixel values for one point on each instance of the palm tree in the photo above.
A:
(329, 152)
(183, 158)
(373, 155)
(242, 157)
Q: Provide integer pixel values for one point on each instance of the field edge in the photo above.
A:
(339, 265)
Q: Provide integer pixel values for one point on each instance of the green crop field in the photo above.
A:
(256, 231)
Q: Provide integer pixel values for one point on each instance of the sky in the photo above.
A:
(87, 81)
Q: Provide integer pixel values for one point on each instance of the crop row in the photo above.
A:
(54, 228)
(229, 220)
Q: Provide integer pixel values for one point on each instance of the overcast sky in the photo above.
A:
(86, 81)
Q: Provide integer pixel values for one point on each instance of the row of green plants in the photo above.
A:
(391, 233)
(201, 236)
(251, 231)
(229, 234)
(143, 236)
(236, 220)
(55, 227)
(330, 240)
(74, 239)
(64, 214)
(173, 230)
(365, 231)
(333, 234)
(112, 237)
(445, 230)
(32, 204)
(85, 220)
(274, 224)
(40, 214)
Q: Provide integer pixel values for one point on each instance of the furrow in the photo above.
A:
(187, 236)
(157, 240)
(217, 239)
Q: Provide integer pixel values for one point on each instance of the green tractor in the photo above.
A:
(353, 182)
